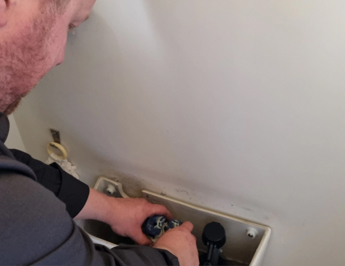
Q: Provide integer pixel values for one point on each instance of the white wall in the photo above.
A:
(234, 105)
(14, 139)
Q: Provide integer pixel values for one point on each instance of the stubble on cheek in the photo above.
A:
(24, 61)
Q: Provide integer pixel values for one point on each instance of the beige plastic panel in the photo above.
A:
(239, 246)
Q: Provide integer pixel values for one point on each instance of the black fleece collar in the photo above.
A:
(4, 127)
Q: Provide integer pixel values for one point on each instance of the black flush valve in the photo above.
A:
(214, 238)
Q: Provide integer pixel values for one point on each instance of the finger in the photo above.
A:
(141, 239)
(187, 225)
(160, 210)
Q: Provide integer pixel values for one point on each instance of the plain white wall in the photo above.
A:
(234, 105)
(14, 139)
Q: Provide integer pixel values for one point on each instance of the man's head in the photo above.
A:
(33, 36)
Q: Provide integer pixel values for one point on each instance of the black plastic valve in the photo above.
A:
(214, 238)
(214, 233)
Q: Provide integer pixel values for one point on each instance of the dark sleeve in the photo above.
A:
(48, 235)
(68, 189)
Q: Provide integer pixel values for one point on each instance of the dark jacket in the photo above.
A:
(37, 203)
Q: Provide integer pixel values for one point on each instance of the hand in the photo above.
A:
(128, 214)
(124, 215)
(180, 242)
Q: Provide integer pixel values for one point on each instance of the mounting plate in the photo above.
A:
(110, 187)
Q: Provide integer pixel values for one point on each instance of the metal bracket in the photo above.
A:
(55, 135)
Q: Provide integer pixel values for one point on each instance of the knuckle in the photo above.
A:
(182, 229)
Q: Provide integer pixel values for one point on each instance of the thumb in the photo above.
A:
(187, 225)
(141, 239)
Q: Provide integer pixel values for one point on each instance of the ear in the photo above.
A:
(4, 4)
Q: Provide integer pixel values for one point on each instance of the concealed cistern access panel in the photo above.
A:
(246, 241)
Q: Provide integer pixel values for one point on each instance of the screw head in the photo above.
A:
(251, 232)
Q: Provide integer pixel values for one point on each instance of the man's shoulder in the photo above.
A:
(32, 215)
(17, 188)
